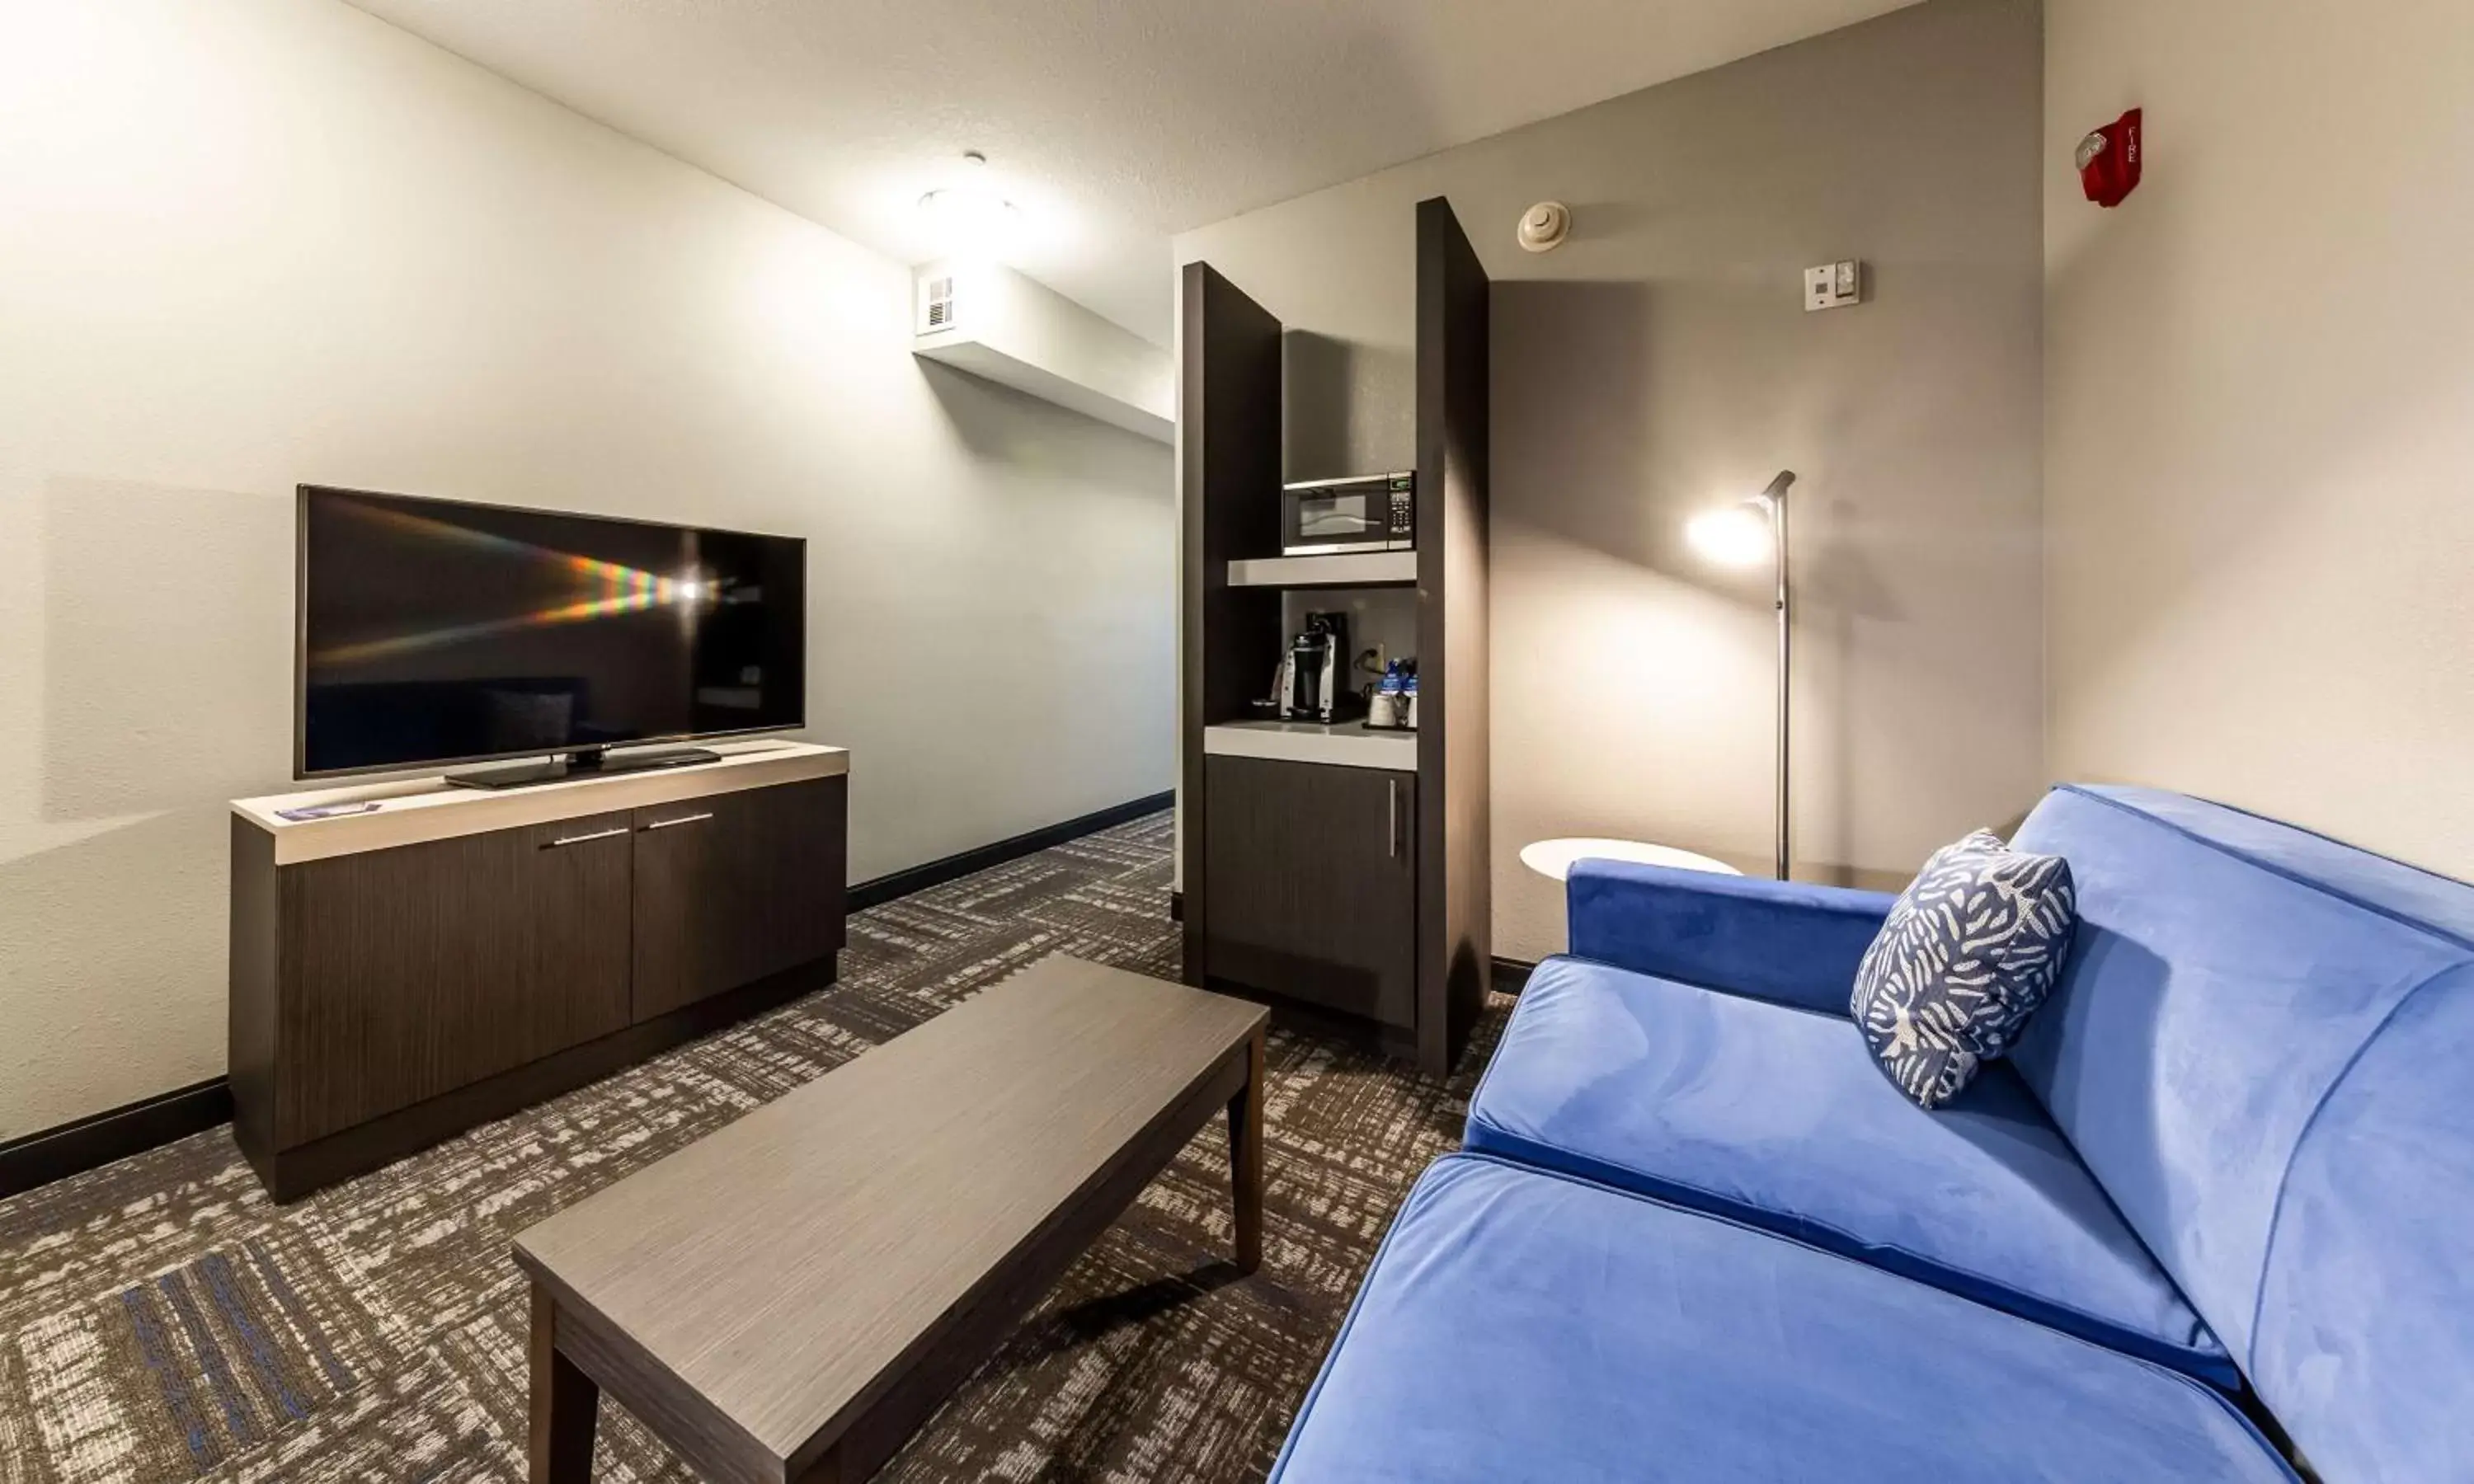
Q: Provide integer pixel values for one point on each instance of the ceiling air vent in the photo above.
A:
(935, 304)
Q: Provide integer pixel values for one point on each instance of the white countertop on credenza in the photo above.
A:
(1344, 745)
(412, 810)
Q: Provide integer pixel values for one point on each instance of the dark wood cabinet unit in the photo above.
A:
(1456, 899)
(521, 932)
(734, 887)
(401, 974)
(1282, 897)
(1315, 884)
(1228, 441)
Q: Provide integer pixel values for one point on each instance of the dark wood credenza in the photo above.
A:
(400, 976)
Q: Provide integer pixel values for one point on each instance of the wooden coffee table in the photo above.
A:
(789, 1298)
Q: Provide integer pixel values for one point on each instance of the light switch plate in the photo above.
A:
(1833, 285)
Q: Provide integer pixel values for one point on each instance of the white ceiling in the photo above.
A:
(1111, 123)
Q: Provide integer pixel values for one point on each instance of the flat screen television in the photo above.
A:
(434, 632)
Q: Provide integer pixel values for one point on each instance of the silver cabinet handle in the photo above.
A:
(1391, 823)
(684, 819)
(598, 834)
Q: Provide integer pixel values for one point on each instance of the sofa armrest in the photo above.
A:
(1781, 941)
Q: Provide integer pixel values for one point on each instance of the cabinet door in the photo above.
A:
(733, 887)
(1313, 883)
(412, 972)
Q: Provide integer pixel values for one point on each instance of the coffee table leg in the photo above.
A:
(563, 1403)
(1246, 1157)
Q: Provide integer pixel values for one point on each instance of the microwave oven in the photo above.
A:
(1366, 513)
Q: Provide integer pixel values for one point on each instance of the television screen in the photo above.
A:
(437, 632)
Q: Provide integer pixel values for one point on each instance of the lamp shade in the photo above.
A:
(1733, 535)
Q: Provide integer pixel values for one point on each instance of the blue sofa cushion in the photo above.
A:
(2263, 1046)
(1519, 1325)
(1779, 1119)
(1967, 955)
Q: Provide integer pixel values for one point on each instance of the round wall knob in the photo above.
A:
(1545, 225)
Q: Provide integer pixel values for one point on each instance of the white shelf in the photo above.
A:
(1341, 570)
(1346, 745)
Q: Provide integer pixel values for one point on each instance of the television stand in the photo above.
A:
(593, 762)
(411, 960)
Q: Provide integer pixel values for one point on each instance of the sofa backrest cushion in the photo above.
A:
(2263, 1047)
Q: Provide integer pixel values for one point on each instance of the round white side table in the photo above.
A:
(1554, 858)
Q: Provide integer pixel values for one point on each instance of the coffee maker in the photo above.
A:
(1314, 677)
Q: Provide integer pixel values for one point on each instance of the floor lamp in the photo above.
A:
(1740, 535)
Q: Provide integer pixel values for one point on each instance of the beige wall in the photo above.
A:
(2260, 431)
(256, 242)
(1662, 361)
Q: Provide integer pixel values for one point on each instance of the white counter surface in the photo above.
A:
(1346, 745)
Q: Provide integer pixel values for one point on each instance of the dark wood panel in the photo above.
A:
(1312, 878)
(255, 993)
(734, 887)
(291, 1173)
(820, 1272)
(413, 972)
(1455, 947)
(1229, 431)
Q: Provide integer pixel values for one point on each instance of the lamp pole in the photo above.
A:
(1775, 498)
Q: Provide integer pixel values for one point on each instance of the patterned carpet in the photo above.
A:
(160, 1321)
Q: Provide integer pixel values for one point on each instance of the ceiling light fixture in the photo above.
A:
(969, 216)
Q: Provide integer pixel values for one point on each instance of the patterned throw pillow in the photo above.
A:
(1972, 948)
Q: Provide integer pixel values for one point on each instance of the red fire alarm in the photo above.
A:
(2109, 160)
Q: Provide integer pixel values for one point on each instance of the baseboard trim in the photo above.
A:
(116, 1133)
(875, 893)
(1510, 973)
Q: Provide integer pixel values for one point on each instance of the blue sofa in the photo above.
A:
(1695, 1235)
